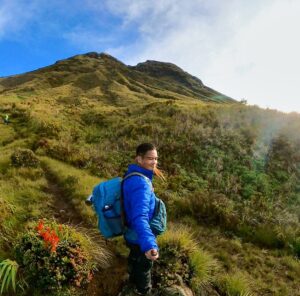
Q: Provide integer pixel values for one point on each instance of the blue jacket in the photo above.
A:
(139, 205)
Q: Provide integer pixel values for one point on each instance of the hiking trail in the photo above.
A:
(106, 281)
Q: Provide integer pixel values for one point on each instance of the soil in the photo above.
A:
(109, 282)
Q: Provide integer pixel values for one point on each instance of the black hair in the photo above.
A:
(142, 149)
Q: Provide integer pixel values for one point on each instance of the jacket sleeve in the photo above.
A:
(140, 194)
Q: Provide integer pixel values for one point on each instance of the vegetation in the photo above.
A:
(183, 261)
(53, 255)
(232, 171)
(8, 271)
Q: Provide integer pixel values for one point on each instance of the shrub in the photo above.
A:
(209, 208)
(53, 256)
(46, 127)
(296, 246)
(24, 158)
(59, 150)
(266, 236)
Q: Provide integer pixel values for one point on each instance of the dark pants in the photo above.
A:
(139, 269)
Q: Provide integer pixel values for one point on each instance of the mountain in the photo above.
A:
(103, 75)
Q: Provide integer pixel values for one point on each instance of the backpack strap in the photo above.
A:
(136, 174)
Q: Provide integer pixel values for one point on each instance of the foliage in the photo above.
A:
(296, 246)
(51, 256)
(8, 272)
(24, 158)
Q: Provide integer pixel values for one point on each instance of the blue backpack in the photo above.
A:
(107, 201)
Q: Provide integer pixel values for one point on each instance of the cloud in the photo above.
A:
(244, 49)
(14, 14)
(20, 18)
(171, 21)
(261, 62)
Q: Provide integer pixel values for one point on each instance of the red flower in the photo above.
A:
(40, 225)
(49, 236)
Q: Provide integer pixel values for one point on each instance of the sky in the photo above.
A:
(248, 50)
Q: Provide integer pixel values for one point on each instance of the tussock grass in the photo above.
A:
(204, 266)
(179, 236)
(95, 246)
(236, 284)
(179, 242)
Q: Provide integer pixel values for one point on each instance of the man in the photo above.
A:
(139, 206)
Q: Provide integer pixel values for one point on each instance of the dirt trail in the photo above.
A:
(63, 210)
(106, 282)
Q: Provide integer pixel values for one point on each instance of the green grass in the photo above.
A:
(7, 134)
(268, 271)
(236, 284)
(77, 184)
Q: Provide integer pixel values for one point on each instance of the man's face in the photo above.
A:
(149, 160)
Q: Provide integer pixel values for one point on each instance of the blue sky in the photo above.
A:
(245, 49)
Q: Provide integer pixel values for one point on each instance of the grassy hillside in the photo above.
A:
(232, 173)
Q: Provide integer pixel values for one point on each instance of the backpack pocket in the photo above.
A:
(113, 220)
(158, 223)
(109, 212)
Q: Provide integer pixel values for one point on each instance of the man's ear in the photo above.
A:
(138, 159)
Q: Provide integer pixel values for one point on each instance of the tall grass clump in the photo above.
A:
(235, 284)
(203, 266)
(182, 261)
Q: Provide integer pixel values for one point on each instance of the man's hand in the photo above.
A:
(152, 254)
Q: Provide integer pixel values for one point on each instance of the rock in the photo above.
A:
(177, 291)
(207, 290)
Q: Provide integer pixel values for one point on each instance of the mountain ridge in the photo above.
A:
(91, 70)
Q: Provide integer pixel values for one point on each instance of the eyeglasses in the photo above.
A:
(151, 158)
